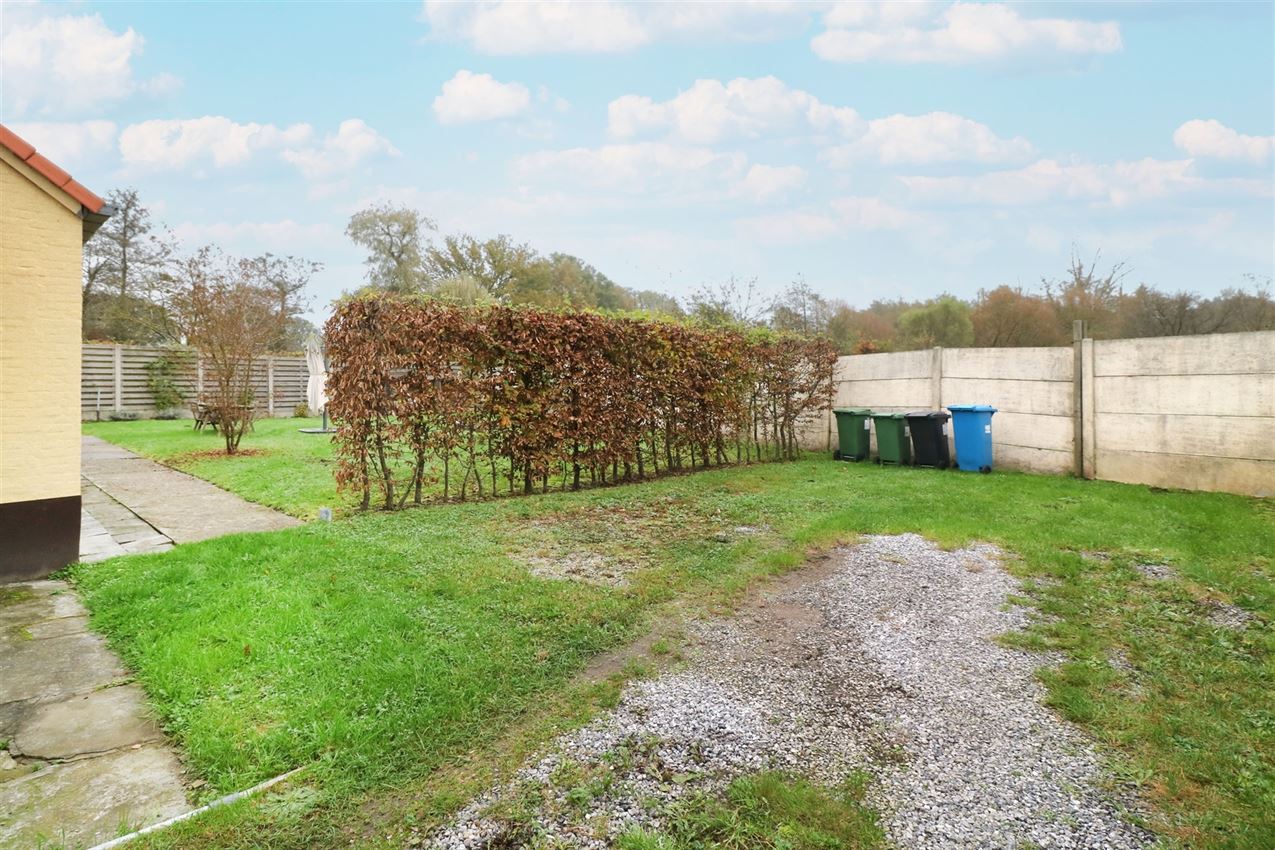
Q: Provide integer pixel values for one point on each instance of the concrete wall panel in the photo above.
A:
(1215, 395)
(1051, 398)
(1012, 364)
(1191, 472)
(1207, 354)
(1239, 437)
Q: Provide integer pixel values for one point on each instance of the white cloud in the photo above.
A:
(958, 34)
(645, 167)
(353, 142)
(1049, 180)
(164, 144)
(177, 143)
(67, 63)
(934, 137)
(545, 26)
(765, 182)
(711, 110)
(468, 97)
(282, 236)
(522, 27)
(1214, 139)
(69, 142)
(840, 216)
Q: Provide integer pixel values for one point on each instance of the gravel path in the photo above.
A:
(879, 656)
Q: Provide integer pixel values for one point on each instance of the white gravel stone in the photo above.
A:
(881, 657)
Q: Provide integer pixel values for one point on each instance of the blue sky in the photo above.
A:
(877, 150)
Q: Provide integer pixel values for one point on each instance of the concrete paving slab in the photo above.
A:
(55, 667)
(22, 609)
(84, 802)
(96, 722)
(109, 529)
(56, 628)
(11, 716)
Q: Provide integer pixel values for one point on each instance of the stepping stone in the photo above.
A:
(96, 722)
(85, 802)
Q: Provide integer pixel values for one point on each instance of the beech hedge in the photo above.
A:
(435, 401)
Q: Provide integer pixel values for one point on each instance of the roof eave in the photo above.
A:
(94, 220)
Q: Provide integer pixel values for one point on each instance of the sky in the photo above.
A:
(875, 150)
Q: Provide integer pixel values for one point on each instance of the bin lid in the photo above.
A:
(971, 408)
(854, 411)
(889, 415)
(928, 414)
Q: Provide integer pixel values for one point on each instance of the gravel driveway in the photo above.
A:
(879, 657)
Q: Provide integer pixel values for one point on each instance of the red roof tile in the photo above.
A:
(24, 151)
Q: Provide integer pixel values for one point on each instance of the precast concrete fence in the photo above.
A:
(1191, 412)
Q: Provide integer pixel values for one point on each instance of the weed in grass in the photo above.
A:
(764, 811)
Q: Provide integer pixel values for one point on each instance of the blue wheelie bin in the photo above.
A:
(972, 431)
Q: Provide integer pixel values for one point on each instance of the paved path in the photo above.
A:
(83, 758)
(108, 528)
(80, 757)
(176, 505)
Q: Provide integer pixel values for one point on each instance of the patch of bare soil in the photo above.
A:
(214, 454)
(606, 544)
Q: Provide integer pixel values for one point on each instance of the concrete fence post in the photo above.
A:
(117, 364)
(1079, 330)
(936, 378)
(270, 386)
(199, 375)
(1090, 407)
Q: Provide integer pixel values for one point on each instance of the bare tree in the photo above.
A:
(287, 278)
(801, 310)
(226, 313)
(124, 262)
(1087, 294)
(395, 241)
(731, 302)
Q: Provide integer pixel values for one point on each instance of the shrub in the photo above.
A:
(123, 415)
(301, 411)
(161, 380)
(483, 398)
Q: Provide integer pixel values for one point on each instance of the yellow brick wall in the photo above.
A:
(40, 241)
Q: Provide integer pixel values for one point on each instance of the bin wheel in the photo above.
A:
(836, 454)
(877, 461)
(985, 469)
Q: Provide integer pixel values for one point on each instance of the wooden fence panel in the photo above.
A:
(106, 369)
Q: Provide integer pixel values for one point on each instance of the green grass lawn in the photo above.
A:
(276, 465)
(406, 656)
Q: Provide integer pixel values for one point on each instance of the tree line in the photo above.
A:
(403, 257)
(1013, 316)
(137, 282)
(133, 269)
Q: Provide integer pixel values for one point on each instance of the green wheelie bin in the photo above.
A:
(894, 443)
(852, 433)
